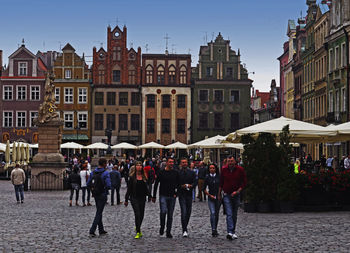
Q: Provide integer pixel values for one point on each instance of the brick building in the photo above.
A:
(72, 93)
(116, 99)
(166, 98)
(21, 93)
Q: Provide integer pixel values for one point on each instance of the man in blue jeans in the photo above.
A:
(232, 181)
(18, 178)
(169, 184)
(98, 174)
(188, 182)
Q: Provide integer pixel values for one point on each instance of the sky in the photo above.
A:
(257, 27)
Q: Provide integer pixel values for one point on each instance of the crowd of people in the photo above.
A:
(182, 179)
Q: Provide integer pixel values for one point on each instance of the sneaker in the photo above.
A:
(89, 204)
(138, 236)
(103, 232)
(185, 234)
(168, 235)
(234, 236)
(229, 236)
(21, 201)
(92, 235)
(161, 231)
(215, 233)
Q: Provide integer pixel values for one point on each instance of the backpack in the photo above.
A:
(97, 184)
(151, 175)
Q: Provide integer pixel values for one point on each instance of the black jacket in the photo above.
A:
(131, 191)
(186, 176)
(213, 184)
(115, 178)
(74, 178)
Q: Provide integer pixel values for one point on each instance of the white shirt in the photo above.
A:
(83, 174)
(347, 163)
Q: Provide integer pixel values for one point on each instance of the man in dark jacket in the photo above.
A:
(232, 181)
(202, 173)
(115, 184)
(187, 180)
(100, 199)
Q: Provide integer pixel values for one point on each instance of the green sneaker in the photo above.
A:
(141, 233)
(138, 236)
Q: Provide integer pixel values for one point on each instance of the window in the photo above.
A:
(151, 101)
(343, 55)
(8, 93)
(123, 122)
(331, 60)
(99, 98)
(331, 106)
(234, 121)
(82, 95)
(57, 95)
(101, 74)
(172, 75)
(98, 121)
(68, 95)
(123, 98)
(68, 74)
(7, 119)
(110, 98)
(209, 71)
(181, 126)
(68, 120)
(33, 116)
(22, 66)
(149, 74)
(132, 74)
(203, 95)
(181, 101)
(218, 96)
(111, 121)
(234, 96)
(166, 101)
(82, 120)
(183, 75)
(135, 98)
(337, 58)
(229, 72)
(135, 122)
(21, 119)
(218, 120)
(165, 126)
(337, 101)
(343, 98)
(203, 120)
(150, 126)
(21, 92)
(35, 93)
(116, 76)
(160, 75)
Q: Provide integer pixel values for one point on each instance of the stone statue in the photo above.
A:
(47, 110)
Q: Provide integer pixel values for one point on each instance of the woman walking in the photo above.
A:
(137, 192)
(212, 181)
(74, 182)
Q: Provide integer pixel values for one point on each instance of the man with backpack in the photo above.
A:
(150, 172)
(99, 182)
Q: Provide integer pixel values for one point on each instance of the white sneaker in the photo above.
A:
(185, 234)
(234, 236)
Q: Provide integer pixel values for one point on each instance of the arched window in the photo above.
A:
(132, 74)
(149, 74)
(101, 74)
(160, 75)
(183, 75)
(172, 75)
(116, 76)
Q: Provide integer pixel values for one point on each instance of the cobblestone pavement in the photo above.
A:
(45, 223)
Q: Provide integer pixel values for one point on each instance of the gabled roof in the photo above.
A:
(20, 49)
(68, 47)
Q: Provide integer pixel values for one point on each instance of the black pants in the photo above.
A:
(139, 210)
(76, 194)
(100, 205)
(113, 190)
(186, 209)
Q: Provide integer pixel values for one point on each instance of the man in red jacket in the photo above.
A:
(232, 181)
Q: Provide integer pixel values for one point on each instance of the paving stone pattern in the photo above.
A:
(45, 223)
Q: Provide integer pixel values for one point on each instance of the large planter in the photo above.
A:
(341, 197)
(264, 207)
(275, 206)
(286, 206)
(250, 207)
(315, 196)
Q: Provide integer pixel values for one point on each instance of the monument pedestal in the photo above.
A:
(48, 166)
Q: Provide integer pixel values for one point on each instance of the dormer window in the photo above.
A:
(22, 67)
(68, 74)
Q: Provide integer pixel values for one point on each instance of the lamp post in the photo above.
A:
(108, 133)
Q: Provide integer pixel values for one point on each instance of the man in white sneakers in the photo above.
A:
(18, 177)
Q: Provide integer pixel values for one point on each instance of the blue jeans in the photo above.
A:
(186, 208)
(214, 208)
(18, 191)
(231, 208)
(167, 205)
(84, 189)
(113, 190)
(100, 205)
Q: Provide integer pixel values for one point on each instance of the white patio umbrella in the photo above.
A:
(124, 145)
(72, 145)
(212, 142)
(2, 147)
(14, 149)
(34, 145)
(176, 145)
(7, 154)
(343, 132)
(27, 153)
(97, 145)
(151, 145)
(302, 132)
(18, 152)
(23, 154)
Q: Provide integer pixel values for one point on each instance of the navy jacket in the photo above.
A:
(115, 178)
(105, 177)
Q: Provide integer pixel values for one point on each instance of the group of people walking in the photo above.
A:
(221, 187)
